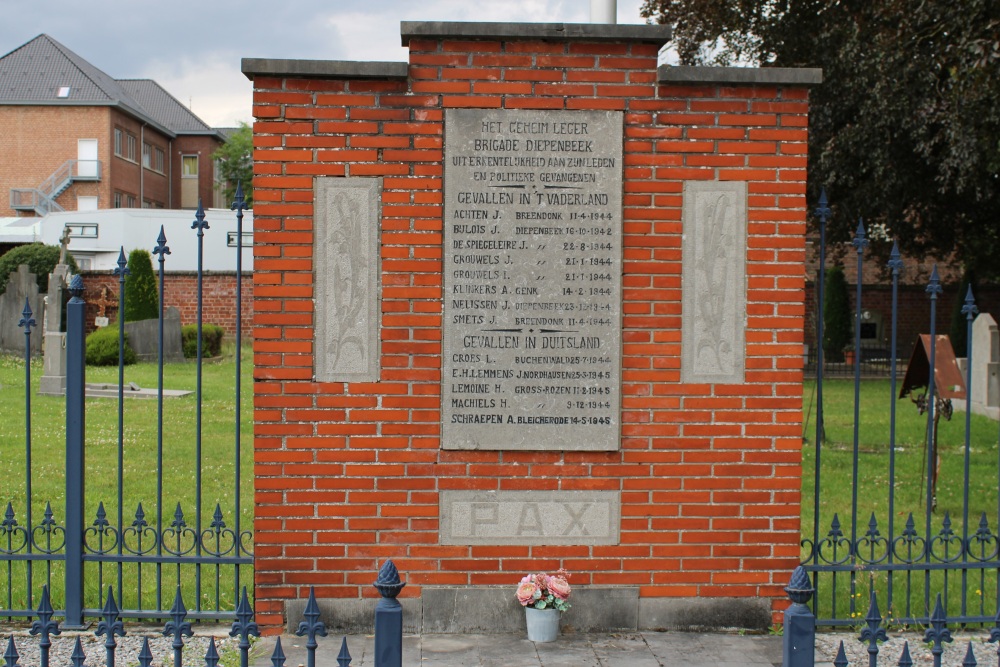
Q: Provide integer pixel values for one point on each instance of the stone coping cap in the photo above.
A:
(789, 76)
(590, 32)
(327, 69)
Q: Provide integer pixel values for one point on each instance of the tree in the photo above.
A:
(959, 320)
(41, 260)
(837, 327)
(142, 301)
(904, 130)
(236, 163)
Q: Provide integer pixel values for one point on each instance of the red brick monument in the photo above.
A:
(528, 301)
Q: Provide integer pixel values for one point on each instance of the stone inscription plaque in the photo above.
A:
(346, 275)
(532, 284)
(530, 517)
(713, 329)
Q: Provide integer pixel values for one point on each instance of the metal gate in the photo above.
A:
(147, 553)
(907, 550)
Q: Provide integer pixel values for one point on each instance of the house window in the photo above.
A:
(118, 142)
(158, 159)
(118, 200)
(189, 166)
(147, 155)
(129, 201)
(130, 145)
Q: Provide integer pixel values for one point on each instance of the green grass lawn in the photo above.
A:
(836, 483)
(139, 473)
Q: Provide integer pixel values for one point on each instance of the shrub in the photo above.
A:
(40, 258)
(211, 340)
(959, 323)
(142, 302)
(102, 347)
(837, 323)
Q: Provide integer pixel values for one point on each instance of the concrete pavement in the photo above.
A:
(632, 649)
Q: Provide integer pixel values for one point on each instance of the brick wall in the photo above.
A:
(218, 297)
(37, 140)
(348, 474)
(914, 310)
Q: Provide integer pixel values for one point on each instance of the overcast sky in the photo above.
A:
(193, 48)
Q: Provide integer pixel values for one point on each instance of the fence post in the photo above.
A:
(799, 642)
(76, 365)
(388, 618)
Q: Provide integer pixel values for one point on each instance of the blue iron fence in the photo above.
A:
(130, 545)
(388, 650)
(959, 557)
(799, 640)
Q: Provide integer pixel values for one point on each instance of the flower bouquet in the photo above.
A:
(544, 597)
(545, 591)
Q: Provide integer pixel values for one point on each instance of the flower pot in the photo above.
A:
(543, 624)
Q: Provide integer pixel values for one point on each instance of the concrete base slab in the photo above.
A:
(648, 649)
(698, 614)
(487, 611)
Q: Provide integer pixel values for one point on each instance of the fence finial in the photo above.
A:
(799, 641)
(873, 634)
(311, 626)
(388, 618)
(11, 655)
(938, 633)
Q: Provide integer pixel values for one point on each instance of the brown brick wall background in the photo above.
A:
(218, 296)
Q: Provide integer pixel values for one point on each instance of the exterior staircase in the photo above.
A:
(42, 200)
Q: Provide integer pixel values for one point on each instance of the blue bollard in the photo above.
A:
(388, 618)
(799, 643)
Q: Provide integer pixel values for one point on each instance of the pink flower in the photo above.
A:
(527, 592)
(559, 587)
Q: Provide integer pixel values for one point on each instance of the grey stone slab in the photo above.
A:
(53, 380)
(704, 613)
(54, 298)
(789, 76)
(475, 610)
(567, 651)
(591, 32)
(713, 322)
(533, 263)
(510, 650)
(21, 286)
(985, 389)
(352, 616)
(144, 337)
(603, 609)
(346, 269)
(623, 649)
(529, 517)
(326, 69)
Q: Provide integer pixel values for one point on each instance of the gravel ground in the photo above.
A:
(920, 653)
(129, 646)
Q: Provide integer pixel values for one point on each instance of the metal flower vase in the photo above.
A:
(543, 624)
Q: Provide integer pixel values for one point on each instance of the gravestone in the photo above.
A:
(21, 285)
(53, 380)
(143, 337)
(985, 389)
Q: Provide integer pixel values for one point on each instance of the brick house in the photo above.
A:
(74, 138)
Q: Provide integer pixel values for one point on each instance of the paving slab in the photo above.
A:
(637, 649)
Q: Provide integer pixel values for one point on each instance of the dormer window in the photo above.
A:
(63, 92)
